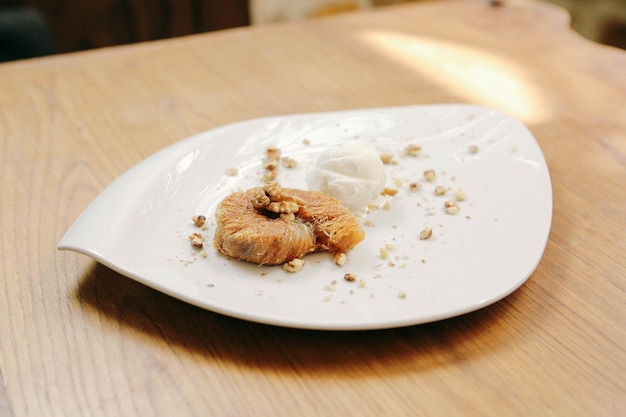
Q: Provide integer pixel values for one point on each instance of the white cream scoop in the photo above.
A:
(350, 172)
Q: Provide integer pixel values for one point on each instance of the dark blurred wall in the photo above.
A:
(85, 24)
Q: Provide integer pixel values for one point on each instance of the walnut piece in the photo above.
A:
(427, 233)
(295, 265)
(451, 207)
(272, 198)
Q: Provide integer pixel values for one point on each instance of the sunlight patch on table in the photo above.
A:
(476, 75)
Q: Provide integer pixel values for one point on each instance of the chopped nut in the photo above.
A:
(340, 258)
(451, 207)
(273, 190)
(260, 199)
(401, 294)
(232, 171)
(294, 265)
(270, 164)
(389, 191)
(430, 174)
(283, 207)
(384, 253)
(198, 220)
(196, 240)
(441, 190)
(349, 277)
(415, 186)
(427, 233)
(388, 159)
(412, 150)
(459, 195)
(289, 162)
(472, 148)
(270, 175)
(273, 152)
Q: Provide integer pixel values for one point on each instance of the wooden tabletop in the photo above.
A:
(77, 339)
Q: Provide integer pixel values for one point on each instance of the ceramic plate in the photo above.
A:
(139, 225)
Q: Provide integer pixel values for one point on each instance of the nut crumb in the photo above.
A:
(451, 207)
(349, 277)
(412, 150)
(389, 191)
(441, 190)
(295, 265)
(340, 259)
(427, 233)
(415, 186)
(402, 294)
(272, 152)
(459, 195)
(472, 148)
(232, 171)
(198, 220)
(289, 162)
(388, 159)
(430, 175)
(196, 240)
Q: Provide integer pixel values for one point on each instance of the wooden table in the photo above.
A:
(77, 339)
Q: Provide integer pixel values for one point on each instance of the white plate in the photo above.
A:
(139, 225)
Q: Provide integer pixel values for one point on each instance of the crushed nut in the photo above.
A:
(270, 164)
(289, 162)
(427, 233)
(472, 148)
(401, 294)
(451, 207)
(350, 277)
(388, 159)
(270, 176)
(340, 258)
(412, 150)
(272, 152)
(430, 175)
(441, 190)
(232, 171)
(415, 186)
(294, 265)
(389, 191)
(198, 220)
(459, 195)
(196, 240)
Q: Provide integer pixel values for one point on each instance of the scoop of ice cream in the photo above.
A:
(350, 172)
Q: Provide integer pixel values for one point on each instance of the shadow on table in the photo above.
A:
(189, 329)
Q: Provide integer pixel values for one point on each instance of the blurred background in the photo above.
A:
(30, 28)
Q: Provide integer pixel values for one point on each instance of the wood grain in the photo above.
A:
(78, 339)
